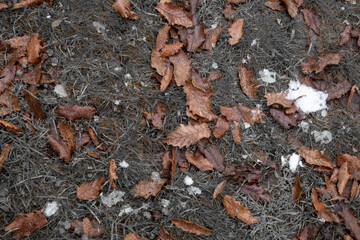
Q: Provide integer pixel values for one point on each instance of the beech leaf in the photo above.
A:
(75, 112)
(256, 192)
(221, 127)
(314, 157)
(182, 68)
(199, 161)
(312, 64)
(191, 227)
(219, 188)
(241, 113)
(171, 49)
(212, 35)
(11, 128)
(236, 209)
(112, 173)
(296, 189)
(174, 14)
(148, 187)
(123, 7)
(246, 82)
(278, 98)
(89, 190)
(212, 153)
(236, 31)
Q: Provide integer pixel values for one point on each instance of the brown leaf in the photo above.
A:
(61, 149)
(90, 228)
(10, 127)
(89, 190)
(3, 6)
(162, 37)
(159, 63)
(314, 157)
(353, 164)
(236, 133)
(343, 176)
(229, 11)
(200, 82)
(92, 154)
(171, 49)
(329, 191)
(241, 113)
(4, 154)
(219, 188)
(246, 82)
(256, 192)
(185, 135)
(112, 173)
(292, 6)
(167, 164)
(156, 117)
(243, 172)
(165, 81)
(354, 189)
(164, 235)
(296, 189)
(199, 161)
(322, 211)
(182, 68)
(235, 1)
(279, 98)
(352, 92)
(9, 103)
(123, 7)
(212, 153)
(337, 90)
(351, 222)
(148, 187)
(195, 37)
(33, 48)
(28, 3)
(19, 42)
(236, 209)
(34, 105)
(180, 159)
(275, 5)
(346, 35)
(221, 127)
(174, 14)
(81, 139)
(312, 64)
(75, 112)
(134, 236)
(212, 35)
(281, 118)
(95, 140)
(7, 75)
(67, 134)
(309, 232)
(191, 227)
(313, 21)
(236, 31)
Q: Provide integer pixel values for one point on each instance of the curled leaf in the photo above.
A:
(112, 173)
(219, 188)
(236, 209)
(312, 64)
(171, 49)
(296, 189)
(75, 112)
(123, 7)
(89, 190)
(4, 154)
(191, 227)
(174, 14)
(11, 128)
(61, 149)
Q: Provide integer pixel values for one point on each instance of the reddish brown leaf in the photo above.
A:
(61, 149)
(10, 127)
(75, 112)
(156, 117)
(95, 140)
(346, 35)
(221, 127)
(200, 82)
(92, 154)
(329, 191)
(3, 6)
(199, 161)
(28, 3)
(235, 1)
(236, 31)
(243, 172)
(312, 20)
(195, 37)
(171, 49)
(7, 76)
(182, 68)
(351, 222)
(219, 188)
(81, 139)
(165, 81)
(19, 42)
(296, 189)
(4, 154)
(276, 5)
(67, 134)
(34, 105)
(162, 37)
(148, 187)
(212, 153)
(159, 63)
(174, 14)
(314, 157)
(112, 173)
(167, 162)
(90, 228)
(241, 113)
(164, 235)
(236, 133)
(26, 224)
(134, 236)
(281, 118)
(236, 209)
(279, 98)
(312, 64)
(309, 232)
(185, 135)
(352, 92)
(322, 211)
(212, 35)
(123, 7)
(337, 90)
(180, 159)
(343, 176)
(89, 190)
(292, 6)
(353, 164)
(33, 48)
(191, 227)
(354, 189)
(246, 82)
(8, 103)
(229, 11)
(256, 192)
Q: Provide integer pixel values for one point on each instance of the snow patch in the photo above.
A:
(51, 208)
(188, 181)
(155, 175)
(304, 126)
(194, 190)
(323, 113)
(293, 160)
(165, 203)
(126, 210)
(254, 42)
(247, 125)
(324, 137)
(124, 164)
(307, 99)
(60, 91)
(100, 28)
(214, 65)
(113, 198)
(267, 76)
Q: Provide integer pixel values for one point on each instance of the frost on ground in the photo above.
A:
(307, 99)
(324, 137)
(267, 76)
(188, 181)
(51, 208)
(113, 198)
(293, 160)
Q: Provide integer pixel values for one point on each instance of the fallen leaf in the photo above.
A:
(148, 187)
(171, 49)
(27, 3)
(167, 162)
(309, 232)
(337, 90)
(322, 211)
(351, 222)
(279, 98)
(162, 37)
(165, 81)
(354, 190)
(314, 157)
(281, 118)
(236, 133)
(123, 7)
(81, 138)
(219, 188)
(159, 63)
(164, 235)
(91, 228)
(26, 224)
(10, 127)
(256, 192)
(182, 68)
(235, 1)
(236, 209)
(353, 164)
(236, 31)
(352, 92)
(212, 35)
(89, 190)
(195, 37)
(134, 236)
(9, 103)
(180, 159)
(75, 112)
(292, 6)
(329, 191)
(221, 127)
(7, 76)
(313, 21)
(95, 140)
(174, 14)
(212, 153)
(199, 161)
(246, 82)
(61, 149)
(243, 172)
(185, 135)
(92, 154)
(343, 177)
(312, 64)
(67, 134)
(296, 189)
(275, 5)
(191, 227)
(229, 11)
(241, 113)
(200, 82)
(344, 236)
(4, 154)
(346, 35)
(112, 173)
(3, 6)
(33, 48)
(156, 117)
(19, 43)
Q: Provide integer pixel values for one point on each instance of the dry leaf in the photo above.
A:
(164, 235)
(309, 232)
(191, 227)
(89, 190)
(235, 1)
(322, 211)
(236, 31)
(312, 64)
(353, 164)
(4, 154)
(159, 63)
(212, 35)
(292, 6)
(95, 140)
(256, 192)
(123, 7)
(81, 139)
(171, 49)
(26, 224)
(219, 188)
(343, 176)
(240, 113)
(185, 135)
(67, 134)
(134, 236)
(275, 5)
(336, 90)
(165, 81)
(243, 172)
(314, 157)
(156, 117)
(34, 105)
(61, 149)
(236, 209)
(91, 228)
(195, 37)
(246, 82)
(212, 153)
(312, 20)
(351, 222)
(296, 189)
(3, 6)
(352, 92)
(281, 118)
(236, 133)
(112, 173)
(33, 48)
(7, 76)
(199, 161)
(148, 187)
(200, 82)
(92, 154)
(10, 127)
(279, 98)
(75, 112)
(180, 159)
(174, 14)
(182, 68)
(229, 11)
(8, 103)
(354, 190)
(221, 127)
(167, 166)
(162, 37)
(27, 3)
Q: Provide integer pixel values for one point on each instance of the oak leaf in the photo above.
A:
(123, 7)
(134, 236)
(4, 154)
(312, 64)
(218, 189)
(157, 117)
(212, 35)
(278, 98)
(256, 192)
(148, 187)
(236, 209)
(185, 135)
(191, 227)
(212, 153)
(26, 224)
(236, 31)
(171, 49)
(75, 112)
(199, 161)
(89, 190)
(314, 157)
(182, 68)
(28, 3)
(246, 82)
(11, 128)
(112, 173)
(174, 14)
(241, 113)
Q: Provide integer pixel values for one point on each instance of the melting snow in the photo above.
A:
(304, 126)
(267, 76)
(124, 164)
(188, 181)
(194, 190)
(155, 175)
(51, 208)
(293, 160)
(324, 137)
(60, 90)
(113, 198)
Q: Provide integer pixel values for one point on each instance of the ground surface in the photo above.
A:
(93, 67)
